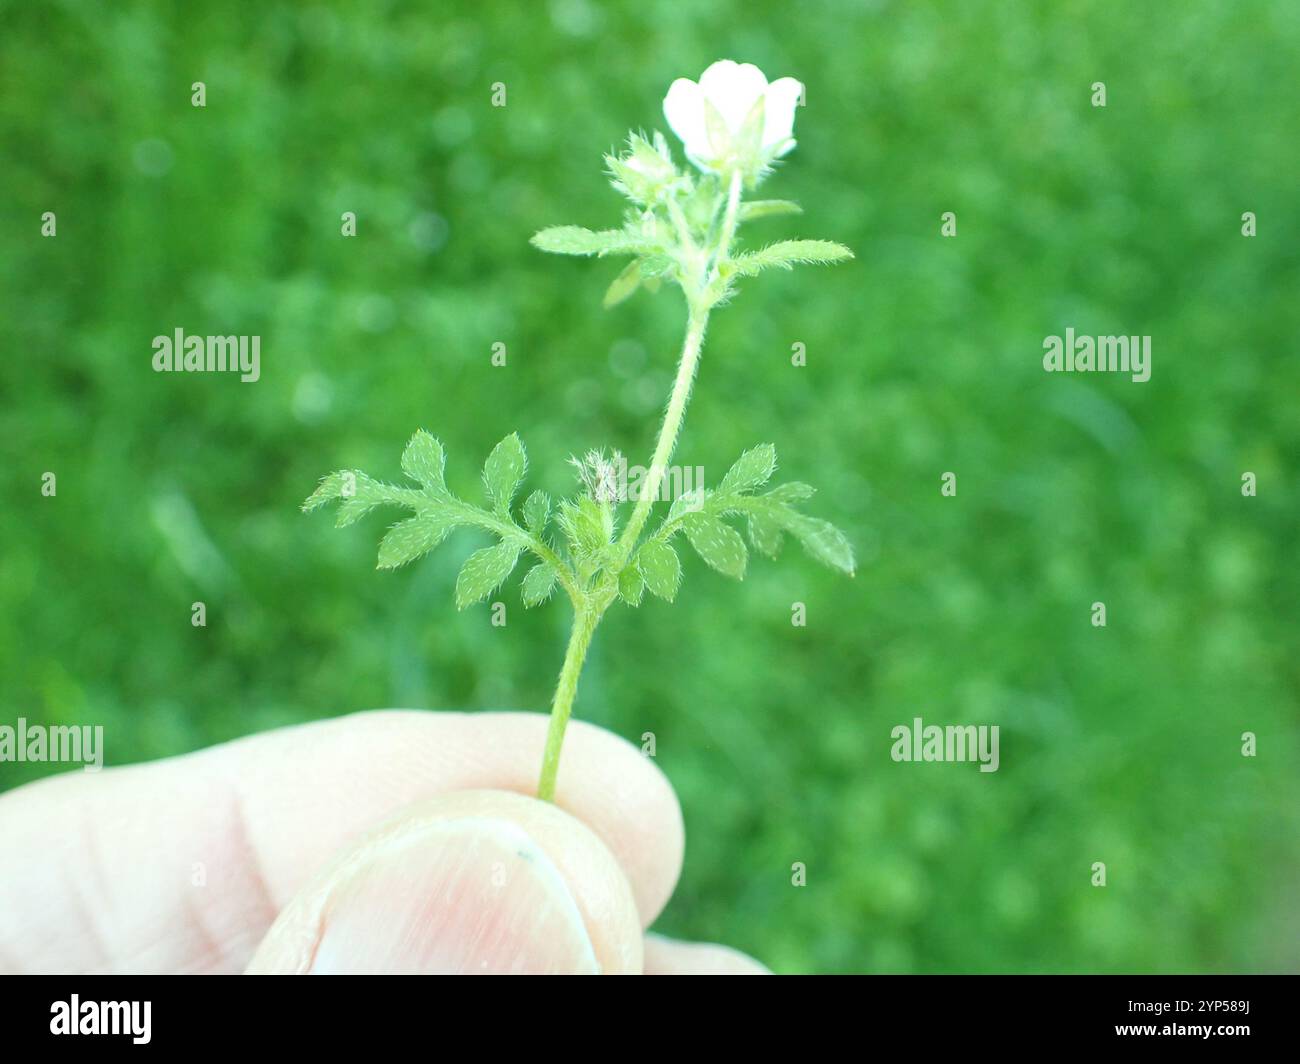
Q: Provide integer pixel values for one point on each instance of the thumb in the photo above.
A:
(474, 881)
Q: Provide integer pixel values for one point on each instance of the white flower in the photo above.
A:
(732, 91)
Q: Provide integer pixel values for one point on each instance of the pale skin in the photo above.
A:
(384, 841)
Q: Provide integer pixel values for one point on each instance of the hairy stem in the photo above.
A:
(729, 218)
(697, 319)
(668, 432)
(585, 620)
(587, 613)
(590, 605)
(589, 609)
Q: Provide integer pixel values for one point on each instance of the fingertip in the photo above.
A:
(630, 803)
(604, 780)
(667, 956)
(473, 882)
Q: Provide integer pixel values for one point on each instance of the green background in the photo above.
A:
(1119, 744)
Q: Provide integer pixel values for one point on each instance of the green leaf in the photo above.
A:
(628, 180)
(645, 172)
(793, 491)
(821, 539)
(767, 208)
(685, 503)
(537, 511)
(656, 265)
(786, 253)
(575, 240)
(623, 285)
(329, 489)
(660, 568)
(583, 523)
(771, 514)
(423, 461)
(483, 572)
(504, 470)
(353, 510)
(359, 495)
(720, 545)
(631, 585)
(409, 539)
(764, 534)
(538, 584)
(702, 204)
(752, 470)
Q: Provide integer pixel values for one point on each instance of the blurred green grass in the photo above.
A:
(1118, 745)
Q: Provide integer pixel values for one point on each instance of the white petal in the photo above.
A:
(733, 88)
(778, 115)
(684, 111)
(718, 74)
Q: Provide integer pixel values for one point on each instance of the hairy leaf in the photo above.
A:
(504, 470)
(752, 470)
(484, 571)
(359, 494)
(623, 285)
(720, 545)
(423, 461)
(575, 240)
(645, 172)
(354, 509)
(660, 568)
(764, 534)
(538, 584)
(786, 253)
(767, 208)
(822, 540)
(687, 502)
(791, 492)
(656, 265)
(631, 585)
(537, 511)
(409, 539)
(583, 524)
(329, 489)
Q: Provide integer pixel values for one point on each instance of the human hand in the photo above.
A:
(391, 841)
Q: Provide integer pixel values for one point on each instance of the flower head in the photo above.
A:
(732, 118)
(601, 475)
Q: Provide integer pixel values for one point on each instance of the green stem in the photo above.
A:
(585, 620)
(729, 219)
(698, 318)
(668, 431)
(679, 224)
(587, 612)
(590, 604)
